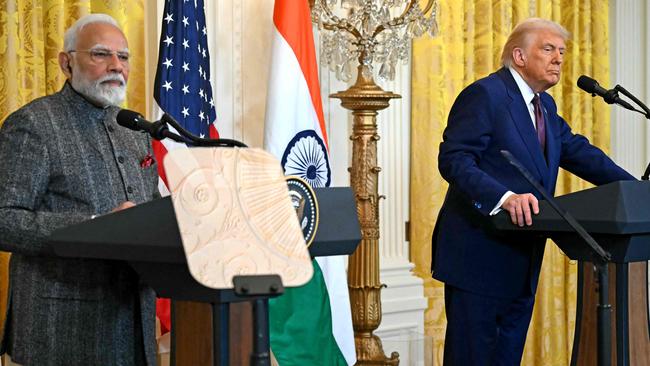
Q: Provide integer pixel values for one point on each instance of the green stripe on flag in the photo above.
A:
(301, 325)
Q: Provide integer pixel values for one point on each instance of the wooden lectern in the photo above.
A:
(147, 237)
(617, 216)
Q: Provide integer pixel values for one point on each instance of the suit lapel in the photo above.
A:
(521, 119)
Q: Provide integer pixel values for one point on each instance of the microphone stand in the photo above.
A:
(159, 131)
(600, 260)
(645, 113)
(198, 141)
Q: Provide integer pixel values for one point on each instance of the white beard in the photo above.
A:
(102, 94)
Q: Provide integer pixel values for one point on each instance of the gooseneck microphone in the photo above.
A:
(592, 87)
(134, 121)
(159, 130)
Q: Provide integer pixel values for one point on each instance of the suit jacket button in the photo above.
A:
(129, 189)
(478, 205)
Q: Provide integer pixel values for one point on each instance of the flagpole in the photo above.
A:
(365, 98)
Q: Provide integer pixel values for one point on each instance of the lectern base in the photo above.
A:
(628, 293)
(192, 340)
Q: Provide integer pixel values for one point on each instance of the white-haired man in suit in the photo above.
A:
(63, 160)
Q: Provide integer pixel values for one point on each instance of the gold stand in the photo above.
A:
(364, 99)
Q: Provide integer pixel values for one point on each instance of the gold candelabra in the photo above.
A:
(368, 32)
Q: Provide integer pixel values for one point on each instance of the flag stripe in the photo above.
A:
(159, 151)
(214, 134)
(334, 275)
(300, 37)
(297, 340)
(289, 98)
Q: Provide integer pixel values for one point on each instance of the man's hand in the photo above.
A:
(518, 205)
(128, 204)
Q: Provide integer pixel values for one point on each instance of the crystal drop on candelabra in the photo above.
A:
(384, 15)
(347, 70)
(331, 62)
(409, 29)
(391, 72)
(433, 29)
(366, 72)
(343, 72)
(339, 73)
(337, 57)
(415, 29)
(366, 26)
(394, 54)
(347, 4)
(385, 49)
(384, 71)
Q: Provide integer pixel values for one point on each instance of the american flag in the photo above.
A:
(182, 88)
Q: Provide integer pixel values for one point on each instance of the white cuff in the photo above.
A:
(497, 208)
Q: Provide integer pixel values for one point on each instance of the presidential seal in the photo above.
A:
(304, 202)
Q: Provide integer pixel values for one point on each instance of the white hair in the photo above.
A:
(70, 37)
(520, 36)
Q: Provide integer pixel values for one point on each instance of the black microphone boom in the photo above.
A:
(159, 130)
(592, 87)
(134, 121)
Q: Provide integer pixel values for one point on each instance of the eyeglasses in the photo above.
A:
(104, 56)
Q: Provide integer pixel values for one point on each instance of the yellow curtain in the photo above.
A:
(472, 34)
(30, 40)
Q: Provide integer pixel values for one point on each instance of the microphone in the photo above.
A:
(592, 87)
(159, 130)
(134, 121)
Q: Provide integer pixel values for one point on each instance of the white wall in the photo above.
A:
(629, 57)
(630, 61)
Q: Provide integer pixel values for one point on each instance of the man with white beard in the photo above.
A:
(63, 160)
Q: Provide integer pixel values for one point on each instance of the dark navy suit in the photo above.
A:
(488, 116)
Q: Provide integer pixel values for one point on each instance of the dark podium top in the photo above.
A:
(147, 237)
(617, 215)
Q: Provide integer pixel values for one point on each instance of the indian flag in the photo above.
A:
(312, 324)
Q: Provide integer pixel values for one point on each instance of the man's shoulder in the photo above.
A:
(37, 109)
(42, 103)
(488, 88)
(494, 82)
